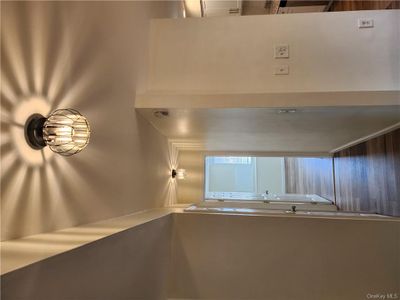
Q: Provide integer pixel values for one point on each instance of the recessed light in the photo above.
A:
(287, 111)
(161, 113)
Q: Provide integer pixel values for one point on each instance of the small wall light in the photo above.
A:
(179, 173)
(65, 131)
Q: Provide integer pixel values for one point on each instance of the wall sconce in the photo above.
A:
(178, 174)
(65, 131)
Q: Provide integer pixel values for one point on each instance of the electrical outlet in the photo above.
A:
(281, 51)
(281, 70)
(365, 23)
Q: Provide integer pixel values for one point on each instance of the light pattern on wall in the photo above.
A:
(35, 78)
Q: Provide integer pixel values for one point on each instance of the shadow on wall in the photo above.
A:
(76, 55)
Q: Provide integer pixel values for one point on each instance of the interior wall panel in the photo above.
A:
(345, 5)
(282, 258)
(367, 175)
(132, 264)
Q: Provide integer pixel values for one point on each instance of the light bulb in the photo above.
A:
(66, 131)
(179, 173)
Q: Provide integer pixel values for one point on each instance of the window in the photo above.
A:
(272, 179)
(230, 160)
(243, 177)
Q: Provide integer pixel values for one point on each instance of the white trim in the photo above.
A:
(367, 137)
(283, 168)
(255, 175)
(205, 175)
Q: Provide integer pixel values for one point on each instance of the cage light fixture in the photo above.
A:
(179, 173)
(65, 131)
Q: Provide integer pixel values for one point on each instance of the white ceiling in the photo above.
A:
(317, 130)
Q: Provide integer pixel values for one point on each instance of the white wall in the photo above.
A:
(90, 56)
(282, 258)
(328, 53)
(222, 257)
(132, 264)
(191, 190)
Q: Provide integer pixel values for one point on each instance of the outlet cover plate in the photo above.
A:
(281, 51)
(365, 23)
(281, 70)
